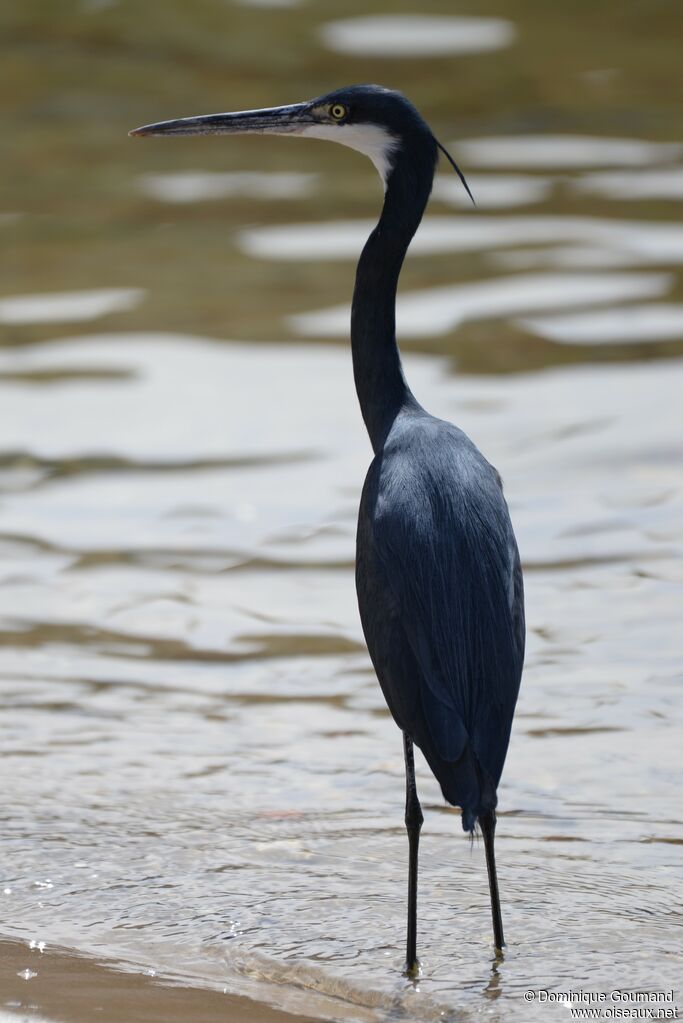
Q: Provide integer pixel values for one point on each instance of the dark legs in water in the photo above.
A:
(414, 820)
(488, 830)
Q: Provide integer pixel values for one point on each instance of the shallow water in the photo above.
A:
(416, 35)
(196, 752)
(199, 774)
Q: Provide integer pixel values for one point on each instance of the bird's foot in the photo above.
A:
(413, 971)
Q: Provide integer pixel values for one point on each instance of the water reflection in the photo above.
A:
(630, 325)
(644, 241)
(562, 152)
(416, 35)
(494, 191)
(665, 183)
(150, 625)
(195, 186)
(201, 775)
(68, 307)
(564, 257)
(269, 3)
(434, 311)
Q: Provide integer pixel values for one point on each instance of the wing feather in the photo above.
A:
(444, 545)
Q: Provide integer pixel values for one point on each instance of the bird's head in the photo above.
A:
(378, 122)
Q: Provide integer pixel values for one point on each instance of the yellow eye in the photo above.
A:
(337, 111)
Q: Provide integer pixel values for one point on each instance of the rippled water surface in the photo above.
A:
(199, 773)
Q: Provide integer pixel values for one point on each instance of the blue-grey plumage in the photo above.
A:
(438, 574)
(440, 594)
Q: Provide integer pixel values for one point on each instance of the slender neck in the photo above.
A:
(380, 384)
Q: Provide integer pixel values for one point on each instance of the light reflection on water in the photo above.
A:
(416, 35)
(200, 772)
(664, 183)
(564, 152)
(434, 311)
(188, 682)
(67, 307)
(195, 186)
(630, 325)
(494, 191)
(644, 241)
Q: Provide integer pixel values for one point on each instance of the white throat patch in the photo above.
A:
(369, 139)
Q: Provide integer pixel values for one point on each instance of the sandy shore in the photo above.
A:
(75, 989)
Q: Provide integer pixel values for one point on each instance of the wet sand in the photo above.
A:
(76, 989)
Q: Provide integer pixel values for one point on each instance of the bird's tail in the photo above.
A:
(465, 784)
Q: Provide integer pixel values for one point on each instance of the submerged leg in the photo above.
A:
(414, 820)
(488, 830)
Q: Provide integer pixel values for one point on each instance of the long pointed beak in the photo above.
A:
(271, 120)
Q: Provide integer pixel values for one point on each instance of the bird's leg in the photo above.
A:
(414, 820)
(488, 830)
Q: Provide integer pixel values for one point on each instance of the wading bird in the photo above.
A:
(437, 571)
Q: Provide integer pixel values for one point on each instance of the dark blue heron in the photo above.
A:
(438, 574)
